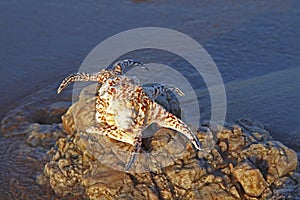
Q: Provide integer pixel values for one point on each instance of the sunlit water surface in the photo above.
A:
(254, 44)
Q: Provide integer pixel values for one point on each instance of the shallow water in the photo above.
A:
(43, 41)
(254, 44)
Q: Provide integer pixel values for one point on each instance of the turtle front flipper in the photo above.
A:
(99, 77)
(84, 77)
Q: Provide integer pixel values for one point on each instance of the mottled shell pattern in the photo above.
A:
(124, 108)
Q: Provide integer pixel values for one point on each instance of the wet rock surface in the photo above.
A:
(57, 159)
(243, 162)
(27, 133)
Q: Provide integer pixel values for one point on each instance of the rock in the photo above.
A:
(250, 178)
(243, 162)
(37, 112)
(212, 191)
(27, 132)
(43, 135)
(274, 158)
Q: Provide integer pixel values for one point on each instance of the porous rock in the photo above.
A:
(250, 178)
(243, 162)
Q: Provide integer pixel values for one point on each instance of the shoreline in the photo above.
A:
(26, 148)
(263, 99)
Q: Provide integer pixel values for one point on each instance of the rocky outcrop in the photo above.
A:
(241, 162)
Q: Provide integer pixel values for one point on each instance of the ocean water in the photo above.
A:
(41, 42)
(255, 45)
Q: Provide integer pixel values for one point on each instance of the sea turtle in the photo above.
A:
(124, 108)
